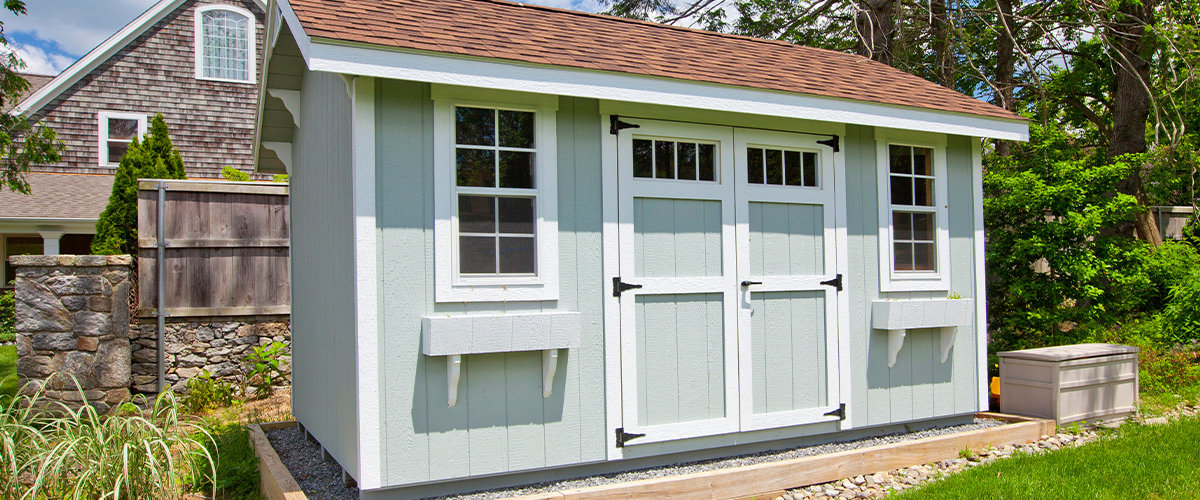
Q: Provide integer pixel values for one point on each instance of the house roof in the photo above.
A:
(497, 29)
(58, 196)
(35, 82)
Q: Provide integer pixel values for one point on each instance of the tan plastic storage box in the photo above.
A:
(1070, 383)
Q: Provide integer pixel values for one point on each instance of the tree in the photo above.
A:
(152, 158)
(23, 142)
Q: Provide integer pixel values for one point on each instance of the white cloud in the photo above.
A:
(38, 61)
(77, 26)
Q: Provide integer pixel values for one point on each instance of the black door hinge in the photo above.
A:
(616, 125)
(836, 282)
(834, 142)
(623, 437)
(619, 287)
(840, 413)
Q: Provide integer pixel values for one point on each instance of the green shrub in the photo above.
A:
(1182, 313)
(155, 157)
(266, 369)
(1167, 266)
(279, 178)
(237, 466)
(233, 174)
(205, 392)
(8, 315)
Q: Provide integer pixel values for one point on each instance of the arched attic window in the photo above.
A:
(224, 44)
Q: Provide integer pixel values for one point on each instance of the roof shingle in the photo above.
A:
(543, 35)
(62, 196)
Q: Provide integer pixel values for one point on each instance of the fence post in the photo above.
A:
(160, 261)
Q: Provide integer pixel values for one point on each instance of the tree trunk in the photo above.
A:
(943, 47)
(1132, 47)
(1006, 57)
(875, 22)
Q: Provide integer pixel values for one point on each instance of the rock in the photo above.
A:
(39, 310)
(74, 302)
(86, 343)
(92, 323)
(205, 334)
(24, 345)
(859, 480)
(53, 341)
(34, 366)
(187, 372)
(117, 396)
(76, 285)
(847, 484)
(113, 364)
(77, 367)
(145, 356)
(191, 360)
(99, 303)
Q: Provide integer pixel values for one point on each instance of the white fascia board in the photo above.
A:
(322, 55)
(12, 225)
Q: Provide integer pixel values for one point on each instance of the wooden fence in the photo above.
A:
(226, 248)
(1171, 220)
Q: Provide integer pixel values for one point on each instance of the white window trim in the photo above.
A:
(102, 133)
(251, 48)
(449, 286)
(891, 280)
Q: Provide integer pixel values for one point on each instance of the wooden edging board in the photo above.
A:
(761, 479)
(276, 481)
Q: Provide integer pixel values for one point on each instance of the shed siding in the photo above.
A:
(501, 422)
(323, 342)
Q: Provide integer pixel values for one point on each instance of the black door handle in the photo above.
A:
(748, 283)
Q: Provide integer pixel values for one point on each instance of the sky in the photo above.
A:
(55, 33)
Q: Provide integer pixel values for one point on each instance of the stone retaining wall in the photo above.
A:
(219, 347)
(72, 319)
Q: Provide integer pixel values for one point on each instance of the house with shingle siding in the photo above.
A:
(194, 61)
(535, 243)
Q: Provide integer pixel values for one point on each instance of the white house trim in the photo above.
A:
(102, 132)
(610, 245)
(251, 42)
(366, 286)
(981, 336)
(889, 279)
(101, 53)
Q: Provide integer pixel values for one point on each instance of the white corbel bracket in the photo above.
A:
(453, 373)
(896, 342)
(549, 366)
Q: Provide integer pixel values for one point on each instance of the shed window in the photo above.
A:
(115, 132)
(914, 214)
(224, 44)
(914, 237)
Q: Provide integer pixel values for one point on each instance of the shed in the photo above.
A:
(531, 243)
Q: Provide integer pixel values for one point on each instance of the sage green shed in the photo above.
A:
(531, 243)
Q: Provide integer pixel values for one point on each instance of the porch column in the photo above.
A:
(50, 240)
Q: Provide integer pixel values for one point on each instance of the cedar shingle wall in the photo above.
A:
(212, 123)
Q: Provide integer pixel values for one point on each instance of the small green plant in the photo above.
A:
(1073, 429)
(954, 296)
(233, 174)
(279, 178)
(266, 368)
(8, 316)
(966, 453)
(237, 466)
(205, 392)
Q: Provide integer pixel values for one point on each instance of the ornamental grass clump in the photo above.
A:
(50, 450)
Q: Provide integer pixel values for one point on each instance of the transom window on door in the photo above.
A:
(496, 176)
(914, 213)
(668, 159)
(115, 132)
(224, 44)
(781, 167)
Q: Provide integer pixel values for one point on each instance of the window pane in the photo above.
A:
(224, 45)
(902, 225)
(475, 126)
(901, 159)
(923, 257)
(517, 256)
(477, 255)
(476, 214)
(922, 161)
(902, 190)
(904, 257)
(793, 168)
(774, 164)
(707, 163)
(923, 192)
(687, 161)
(516, 129)
(116, 150)
(664, 159)
(810, 169)
(121, 128)
(922, 227)
(516, 169)
(754, 162)
(643, 163)
(516, 215)
(476, 167)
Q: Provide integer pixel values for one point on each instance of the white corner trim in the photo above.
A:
(102, 132)
(251, 42)
(981, 333)
(889, 280)
(291, 101)
(366, 286)
(284, 151)
(330, 56)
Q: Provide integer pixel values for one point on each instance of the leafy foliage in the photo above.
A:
(237, 476)
(204, 392)
(266, 367)
(155, 157)
(23, 141)
(8, 315)
(233, 174)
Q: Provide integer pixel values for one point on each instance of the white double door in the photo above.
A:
(728, 286)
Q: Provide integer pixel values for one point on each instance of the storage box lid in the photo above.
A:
(1067, 352)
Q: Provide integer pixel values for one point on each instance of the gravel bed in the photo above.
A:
(322, 479)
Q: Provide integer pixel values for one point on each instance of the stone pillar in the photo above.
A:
(72, 322)
(50, 242)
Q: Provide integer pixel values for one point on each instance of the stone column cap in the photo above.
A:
(70, 260)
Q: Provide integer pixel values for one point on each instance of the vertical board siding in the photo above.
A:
(501, 422)
(681, 359)
(788, 344)
(791, 230)
(677, 237)
(962, 274)
(323, 343)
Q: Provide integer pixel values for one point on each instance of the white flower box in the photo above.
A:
(899, 316)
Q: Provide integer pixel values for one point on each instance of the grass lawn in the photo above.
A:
(1142, 462)
(8, 370)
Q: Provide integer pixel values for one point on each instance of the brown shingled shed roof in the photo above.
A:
(542, 35)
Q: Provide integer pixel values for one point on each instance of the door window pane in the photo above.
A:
(687, 161)
(810, 169)
(708, 153)
(754, 165)
(643, 160)
(664, 159)
(774, 166)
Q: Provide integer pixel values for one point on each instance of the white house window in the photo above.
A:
(115, 132)
(224, 44)
(913, 231)
(495, 235)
